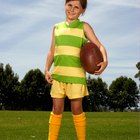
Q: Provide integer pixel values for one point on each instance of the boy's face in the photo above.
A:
(73, 10)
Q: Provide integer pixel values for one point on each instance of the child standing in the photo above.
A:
(68, 78)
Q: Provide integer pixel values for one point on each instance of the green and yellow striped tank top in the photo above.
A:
(68, 42)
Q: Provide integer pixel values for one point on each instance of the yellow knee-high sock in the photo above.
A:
(80, 125)
(54, 126)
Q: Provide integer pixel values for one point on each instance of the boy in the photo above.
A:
(68, 77)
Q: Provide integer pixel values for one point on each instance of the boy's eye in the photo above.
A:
(69, 5)
(72, 6)
(76, 7)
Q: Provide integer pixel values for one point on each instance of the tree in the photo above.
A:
(33, 90)
(46, 98)
(97, 99)
(138, 74)
(138, 67)
(123, 93)
(1, 84)
(9, 87)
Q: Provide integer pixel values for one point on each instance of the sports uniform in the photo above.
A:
(69, 78)
(68, 72)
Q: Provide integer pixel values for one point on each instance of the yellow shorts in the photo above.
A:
(72, 91)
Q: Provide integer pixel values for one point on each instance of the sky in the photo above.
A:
(26, 31)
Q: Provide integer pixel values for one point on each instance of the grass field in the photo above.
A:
(29, 125)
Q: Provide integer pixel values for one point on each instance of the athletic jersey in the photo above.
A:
(69, 38)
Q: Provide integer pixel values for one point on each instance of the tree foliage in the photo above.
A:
(9, 87)
(123, 92)
(137, 75)
(34, 91)
(98, 91)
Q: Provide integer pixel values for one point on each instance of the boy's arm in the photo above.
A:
(89, 33)
(49, 60)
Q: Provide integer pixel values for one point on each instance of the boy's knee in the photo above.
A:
(58, 110)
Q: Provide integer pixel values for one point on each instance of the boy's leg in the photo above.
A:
(80, 125)
(79, 118)
(54, 126)
(57, 94)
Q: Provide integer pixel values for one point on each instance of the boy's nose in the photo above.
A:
(72, 9)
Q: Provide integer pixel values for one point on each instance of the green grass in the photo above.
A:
(29, 125)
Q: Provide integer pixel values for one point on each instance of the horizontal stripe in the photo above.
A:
(69, 71)
(69, 79)
(66, 40)
(70, 31)
(67, 50)
(65, 60)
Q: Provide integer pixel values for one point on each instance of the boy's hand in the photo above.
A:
(48, 77)
(102, 65)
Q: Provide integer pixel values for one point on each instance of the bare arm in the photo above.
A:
(49, 60)
(89, 33)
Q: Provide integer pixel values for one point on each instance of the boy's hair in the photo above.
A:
(83, 3)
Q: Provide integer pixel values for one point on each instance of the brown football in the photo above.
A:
(90, 56)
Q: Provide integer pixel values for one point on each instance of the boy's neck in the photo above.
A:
(68, 22)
